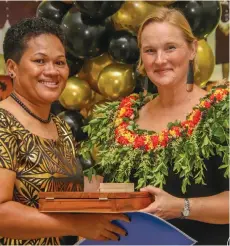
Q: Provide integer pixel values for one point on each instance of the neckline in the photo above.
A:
(170, 123)
(31, 133)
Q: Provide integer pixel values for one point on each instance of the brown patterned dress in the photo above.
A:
(40, 165)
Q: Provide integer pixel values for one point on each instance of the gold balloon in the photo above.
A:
(116, 80)
(205, 63)
(2, 65)
(93, 67)
(131, 15)
(76, 95)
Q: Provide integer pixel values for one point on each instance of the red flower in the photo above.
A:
(139, 142)
(125, 103)
(122, 140)
(196, 117)
(219, 97)
(128, 112)
(165, 139)
(190, 130)
(177, 130)
(163, 143)
(155, 141)
(124, 125)
(185, 123)
(116, 131)
(207, 104)
(212, 97)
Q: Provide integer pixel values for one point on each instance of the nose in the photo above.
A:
(160, 57)
(51, 70)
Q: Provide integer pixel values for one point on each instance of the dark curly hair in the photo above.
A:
(17, 36)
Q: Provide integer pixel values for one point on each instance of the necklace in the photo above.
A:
(17, 100)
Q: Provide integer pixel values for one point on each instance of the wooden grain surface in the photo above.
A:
(73, 202)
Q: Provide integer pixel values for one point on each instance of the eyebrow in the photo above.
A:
(43, 54)
(151, 46)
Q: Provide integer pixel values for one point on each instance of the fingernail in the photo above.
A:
(126, 234)
(129, 218)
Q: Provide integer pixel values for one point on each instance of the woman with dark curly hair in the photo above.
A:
(37, 150)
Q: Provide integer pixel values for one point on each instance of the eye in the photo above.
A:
(171, 47)
(61, 63)
(149, 51)
(40, 61)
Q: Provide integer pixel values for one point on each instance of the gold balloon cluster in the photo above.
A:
(205, 63)
(131, 15)
(76, 95)
(92, 68)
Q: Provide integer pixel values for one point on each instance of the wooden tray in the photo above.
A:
(95, 202)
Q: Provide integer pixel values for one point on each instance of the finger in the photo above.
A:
(150, 209)
(110, 235)
(123, 217)
(102, 238)
(116, 229)
(151, 189)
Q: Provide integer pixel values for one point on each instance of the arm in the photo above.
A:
(22, 222)
(211, 209)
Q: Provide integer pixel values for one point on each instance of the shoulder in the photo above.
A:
(61, 123)
(6, 118)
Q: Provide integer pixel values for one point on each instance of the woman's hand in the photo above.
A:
(99, 226)
(165, 205)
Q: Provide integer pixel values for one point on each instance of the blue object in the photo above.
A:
(146, 229)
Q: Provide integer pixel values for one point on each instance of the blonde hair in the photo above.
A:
(172, 16)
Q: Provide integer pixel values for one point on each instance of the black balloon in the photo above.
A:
(98, 9)
(75, 64)
(203, 16)
(86, 163)
(86, 38)
(123, 47)
(57, 108)
(52, 10)
(76, 121)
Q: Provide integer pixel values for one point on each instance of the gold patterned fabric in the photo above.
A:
(40, 165)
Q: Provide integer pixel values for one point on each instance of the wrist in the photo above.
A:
(185, 212)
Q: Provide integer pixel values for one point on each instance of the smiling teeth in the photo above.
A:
(49, 83)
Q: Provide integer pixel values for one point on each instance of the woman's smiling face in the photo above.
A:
(42, 71)
(165, 53)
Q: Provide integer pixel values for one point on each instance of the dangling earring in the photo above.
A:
(190, 77)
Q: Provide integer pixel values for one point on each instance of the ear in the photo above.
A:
(194, 46)
(11, 68)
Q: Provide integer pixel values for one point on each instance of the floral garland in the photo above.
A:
(126, 150)
(124, 134)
